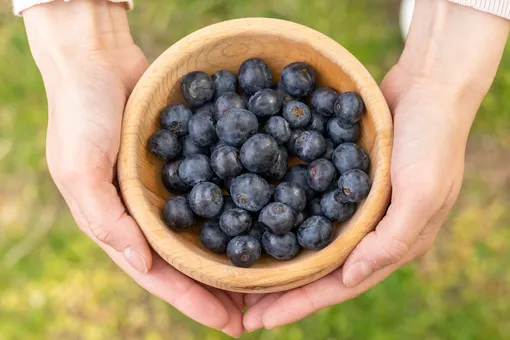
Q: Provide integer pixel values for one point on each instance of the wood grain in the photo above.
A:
(225, 46)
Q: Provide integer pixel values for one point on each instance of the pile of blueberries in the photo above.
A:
(240, 144)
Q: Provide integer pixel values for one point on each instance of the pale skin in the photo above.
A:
(90, 64)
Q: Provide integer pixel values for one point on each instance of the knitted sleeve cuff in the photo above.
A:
(500, 8)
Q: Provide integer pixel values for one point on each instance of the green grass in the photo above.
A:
(55, 284)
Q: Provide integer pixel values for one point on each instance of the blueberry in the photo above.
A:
(349, 156)
(330, 148)
(195, 169)
(175, 118)
(255, 75)
(349, 108)
(313, 207)
(278, 128)
(245, 97)
(283, 247)
(323, 101)
(224, 81)
(225, 102)
(177, 213)
(202, 130)
(298, 79)
(265, 103)
(207, 108)
(256, 231)
(282, 93)
(197, 88)
(277, 217)
(300, 217)
(317, 123)
(250, 192)
(219, 143)
(213, 238)
(228, 203)
(226, 162)
(189, 148)
(290, 146)
(315, 233)
(339, 132)
(171, 180)
(355, 185)
(243, 251)
(259, 153)
(297, 114)
(227, 182)
(279, 168)
(291, 194)
(205, 199)
(321, 173)
(235, 221)
(298, 174)
(164, 144)
(236, 126)
(335, 207)
(310, 145)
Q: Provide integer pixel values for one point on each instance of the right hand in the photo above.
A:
(87, 87)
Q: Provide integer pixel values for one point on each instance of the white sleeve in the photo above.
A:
(19, 6)
(500, 8)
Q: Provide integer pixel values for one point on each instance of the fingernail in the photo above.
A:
(135, 260)
(357, 273)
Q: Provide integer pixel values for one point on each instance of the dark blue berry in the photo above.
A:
(349, 156)
(259, 153)
(298, 174)
(349, 108)
(282, 93)
(256, 231)
(207, 108)
(298, 79)
(175, 118)
(190, 148)
(279, 168)
(195, 169)
(219, 143)
(224, 81)
(177, 213)
(228, 203)
(283, 247)
(227, 182)
(164, 144)
(321, 173)
(290, 146)
(315, 233)
(300, 217)
(202, 130)
(265, 103)
(245, 97)
(277, 217)
(226, 162)
(330, 148)
(339, 132)
(236, 126)
(255, 75)
(213, 238)
(291, 194)
(323, 101)
(197, 88)
(206, 200)
(279, 129)
(335, 207)
(297, 114)
(250, 192)
(171, 180)
(235, 221)
(313, 207)
(317, 123)
(243, 251)
(227, 101)
(355, 184)
(309, 146)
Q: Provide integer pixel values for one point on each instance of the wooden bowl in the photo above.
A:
(225, 46)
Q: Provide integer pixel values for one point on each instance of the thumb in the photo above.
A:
(393, 238)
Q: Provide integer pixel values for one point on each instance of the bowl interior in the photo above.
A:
(161, 86)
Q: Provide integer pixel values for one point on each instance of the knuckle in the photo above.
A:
(394, 252)
(101, 233)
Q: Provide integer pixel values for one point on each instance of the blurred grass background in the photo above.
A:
(55, 284)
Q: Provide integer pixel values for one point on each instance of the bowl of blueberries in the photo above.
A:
(255, 155)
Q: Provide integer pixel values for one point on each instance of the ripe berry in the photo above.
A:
(283, 247)
(323, 101)
(224, 81)
(202, 130)
(226, 162)
(175, 118)
(277, 218)
(197, 88)
(279, 129)
(227, 101)
(164, 144)
(349, 108)
(259, 153)
(297, 114)
(243, 251)
(195, 169)
(335, 207)
(342, 133)
(250, 192)
(355, 185)
(206, 200)
(177, 213)
(255, 75)
(321, 173)
(309, 146)
(315, 233)
(236, 126)
(235, 222)
(298, 174)
(349, 156)
(265, 103)
(290, 194)
(171, 180)
(298, 79)
(213, 238)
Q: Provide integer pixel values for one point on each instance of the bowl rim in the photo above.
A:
(290, 274)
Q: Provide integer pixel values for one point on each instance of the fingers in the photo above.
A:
(234, 327)
(253, 318)
(251, 299)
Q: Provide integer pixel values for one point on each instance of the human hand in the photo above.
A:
(433, 92)
(88, 77)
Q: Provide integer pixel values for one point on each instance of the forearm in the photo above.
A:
(457, 47)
